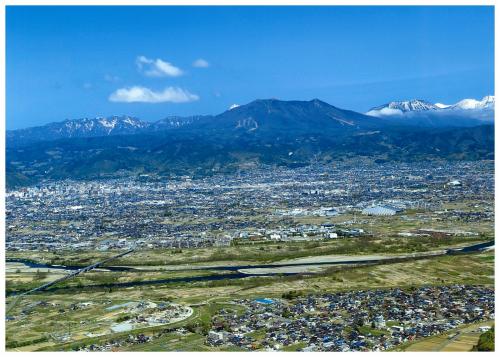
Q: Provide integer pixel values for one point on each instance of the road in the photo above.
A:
(66, 277)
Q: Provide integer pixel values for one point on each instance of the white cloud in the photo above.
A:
(157, 67)
(384, 112)
(234, 106)
(201, 63)
(138, 94)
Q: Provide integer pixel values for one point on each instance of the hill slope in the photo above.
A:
(269, 132)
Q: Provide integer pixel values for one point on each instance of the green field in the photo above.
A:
(41, 326)
(459, 340)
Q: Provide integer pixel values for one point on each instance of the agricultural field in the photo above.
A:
(458, 340)
(44, 325)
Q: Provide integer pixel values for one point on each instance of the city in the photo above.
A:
(273, 225)
(265, 205)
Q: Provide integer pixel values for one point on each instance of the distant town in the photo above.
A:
(144, 212)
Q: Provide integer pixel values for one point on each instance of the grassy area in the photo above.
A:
(294, 347)
(486, 341)
(264, 252)
(462, 339)
(257, 335)
(23, 281)
(470, 269)
(367, 330)
(46, 319)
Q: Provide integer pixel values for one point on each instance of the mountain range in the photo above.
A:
(95, 127)
(268, 131)
(465, 107)
(271, 114)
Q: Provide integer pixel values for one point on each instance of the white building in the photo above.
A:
(382, 210)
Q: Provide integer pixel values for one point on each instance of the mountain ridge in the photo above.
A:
(263, 132)
(465, 106)
(265, 114)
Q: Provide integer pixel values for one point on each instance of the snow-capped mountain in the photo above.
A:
(487, 102)
(99, 126)
(400, 108)
(442, 106)
(272, 115)
(75, 128)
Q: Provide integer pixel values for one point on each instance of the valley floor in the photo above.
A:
(78, 316)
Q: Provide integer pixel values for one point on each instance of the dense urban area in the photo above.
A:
(345, 257)
(260, 205)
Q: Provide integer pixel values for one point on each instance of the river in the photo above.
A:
(235, 272)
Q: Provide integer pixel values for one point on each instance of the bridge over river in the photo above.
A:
(243, 271)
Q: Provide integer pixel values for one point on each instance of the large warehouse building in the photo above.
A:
(382, 210)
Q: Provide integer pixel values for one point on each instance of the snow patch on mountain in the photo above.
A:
(442, 106)
(487, 102)
(399, 108)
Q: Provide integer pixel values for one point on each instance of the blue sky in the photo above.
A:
(151, 62)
